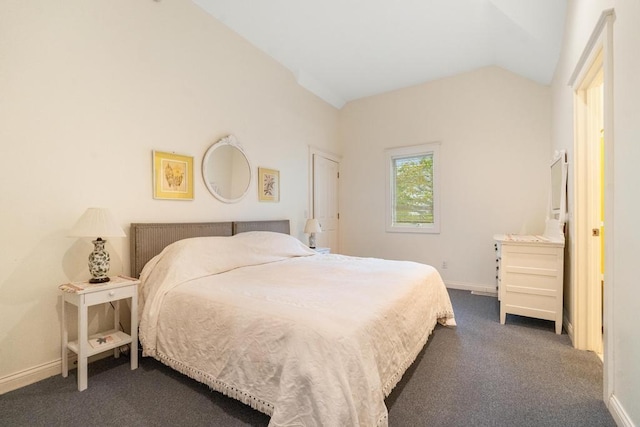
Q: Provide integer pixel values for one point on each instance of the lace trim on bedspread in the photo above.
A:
(230, 391)
(388, 387)
(267, 407)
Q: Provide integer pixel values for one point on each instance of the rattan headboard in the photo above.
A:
(278, 226)
(148, 240)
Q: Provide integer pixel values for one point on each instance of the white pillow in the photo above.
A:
(274, 244)
(200, 256)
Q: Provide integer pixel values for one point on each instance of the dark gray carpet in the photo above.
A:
(478, 374)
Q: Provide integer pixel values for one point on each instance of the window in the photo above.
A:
(412, 192)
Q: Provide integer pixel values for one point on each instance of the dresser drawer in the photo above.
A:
(107, 295)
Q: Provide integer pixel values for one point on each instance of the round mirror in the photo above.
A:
(226, 170)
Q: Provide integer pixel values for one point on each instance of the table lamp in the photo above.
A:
(97, 222)
(311, 228)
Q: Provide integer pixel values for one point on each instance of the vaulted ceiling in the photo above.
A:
(343, 50)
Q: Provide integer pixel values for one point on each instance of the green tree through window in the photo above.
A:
(413, 178)
(413, 193)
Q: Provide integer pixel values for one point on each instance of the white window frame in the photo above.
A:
(433, 149)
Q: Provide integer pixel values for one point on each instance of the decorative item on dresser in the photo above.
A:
(98, 222)
(311, 228)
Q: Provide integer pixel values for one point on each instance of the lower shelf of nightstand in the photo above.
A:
(123, 340)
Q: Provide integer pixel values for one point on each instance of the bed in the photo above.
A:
(309, 339)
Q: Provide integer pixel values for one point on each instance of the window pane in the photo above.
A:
(413, 182)
(413, 196)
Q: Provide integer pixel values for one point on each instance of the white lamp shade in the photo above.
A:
(312, 226)
(97, 222)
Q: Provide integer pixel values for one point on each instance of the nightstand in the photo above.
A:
(323, 250)
(85, 294)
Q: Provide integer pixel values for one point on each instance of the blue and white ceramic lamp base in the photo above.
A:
(99, 262)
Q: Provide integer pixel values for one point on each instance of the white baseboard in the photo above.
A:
(30, 376)
(41, 372)
(618, 413)
(474, 287)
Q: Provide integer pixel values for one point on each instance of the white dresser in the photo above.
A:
(530, 276)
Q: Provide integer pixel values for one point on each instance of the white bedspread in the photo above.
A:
(312, 340)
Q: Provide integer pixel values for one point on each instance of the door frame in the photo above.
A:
(331, 156)
(584, 297)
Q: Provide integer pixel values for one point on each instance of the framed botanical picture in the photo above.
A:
(172, 176)
(268, 185)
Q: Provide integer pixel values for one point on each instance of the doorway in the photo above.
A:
(589, 203)
(592, 280)
(325, 175)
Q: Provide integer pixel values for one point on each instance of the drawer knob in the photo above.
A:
(111, 293)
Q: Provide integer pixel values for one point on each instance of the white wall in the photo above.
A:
(581, 20)
(88, 90)
(494, 129)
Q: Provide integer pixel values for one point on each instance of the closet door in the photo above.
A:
(326, 173)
